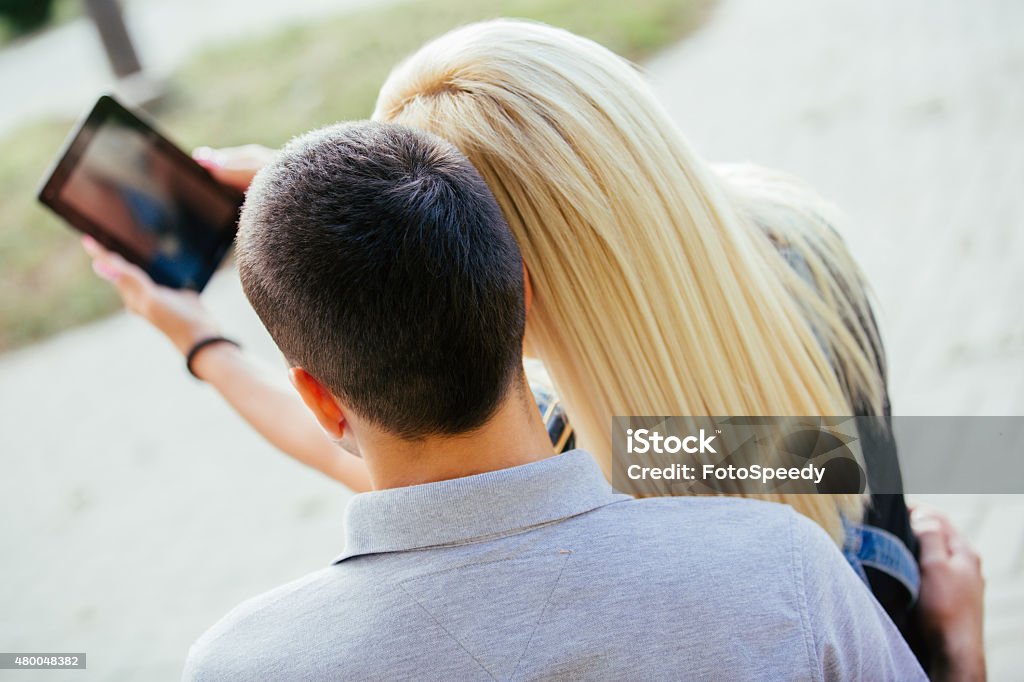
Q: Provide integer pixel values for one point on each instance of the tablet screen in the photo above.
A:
(139, 194)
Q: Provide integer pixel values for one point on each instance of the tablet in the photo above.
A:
(123, 183)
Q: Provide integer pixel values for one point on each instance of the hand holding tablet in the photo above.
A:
(136, 193)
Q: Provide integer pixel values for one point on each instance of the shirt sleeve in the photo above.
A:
(850, 635)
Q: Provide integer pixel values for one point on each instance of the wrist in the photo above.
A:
(959, 656)
(185, 340)
(208, 353)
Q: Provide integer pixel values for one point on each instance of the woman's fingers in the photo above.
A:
(932, 534)
(92, 247)
(234, 166)
(179, 314)
(958, 544)
(932, 539)
(940, 540)
(102, 263)
(131, 281)
(233, 177)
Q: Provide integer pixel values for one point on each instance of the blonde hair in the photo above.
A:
(660, 285)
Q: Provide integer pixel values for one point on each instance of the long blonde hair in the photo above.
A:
(659, 284)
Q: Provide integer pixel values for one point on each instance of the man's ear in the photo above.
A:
(527, 289)
(319, 401)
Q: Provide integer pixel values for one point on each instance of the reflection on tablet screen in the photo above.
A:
(171, 220)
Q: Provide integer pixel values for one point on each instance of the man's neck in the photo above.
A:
(513, 436)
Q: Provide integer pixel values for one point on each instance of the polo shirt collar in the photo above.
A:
(465, 509)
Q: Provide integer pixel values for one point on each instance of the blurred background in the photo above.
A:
(137, 508)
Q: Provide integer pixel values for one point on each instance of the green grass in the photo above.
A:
(266, 91)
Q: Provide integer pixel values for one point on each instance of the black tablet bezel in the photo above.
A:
(71, 154)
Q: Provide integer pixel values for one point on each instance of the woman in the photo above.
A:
(660, 285)
(663, 286)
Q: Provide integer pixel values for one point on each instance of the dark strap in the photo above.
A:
(201, 344)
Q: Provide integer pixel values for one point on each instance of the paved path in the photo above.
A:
(138, 508)
(60, 72)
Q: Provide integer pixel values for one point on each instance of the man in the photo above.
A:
(381, 265)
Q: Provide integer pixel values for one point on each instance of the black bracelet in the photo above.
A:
(201, 344)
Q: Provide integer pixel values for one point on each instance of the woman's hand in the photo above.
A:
(179, 314)
(952, 591)
(234, 166)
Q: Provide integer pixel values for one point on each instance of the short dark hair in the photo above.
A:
(380, 262)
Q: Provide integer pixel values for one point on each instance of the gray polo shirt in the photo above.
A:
(542, 572)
